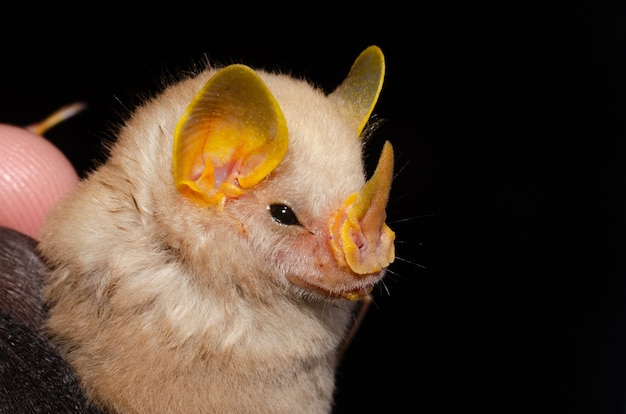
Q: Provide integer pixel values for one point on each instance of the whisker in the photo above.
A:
(409, 243)
(411, 262)
(402, 220)
(381, 288)
(394, 274)
(399, 170)
(391, 275)
(405, 194)
(384, 285)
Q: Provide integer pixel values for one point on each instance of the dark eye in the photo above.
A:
(283, 214)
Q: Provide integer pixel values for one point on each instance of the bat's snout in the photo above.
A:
(359, 237)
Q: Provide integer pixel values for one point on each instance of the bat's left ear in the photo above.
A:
(231, 137)
(359, 92)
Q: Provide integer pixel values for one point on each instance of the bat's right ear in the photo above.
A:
(359, 92)
(232, 135)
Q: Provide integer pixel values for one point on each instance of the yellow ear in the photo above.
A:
(359, 92)
(232, 135)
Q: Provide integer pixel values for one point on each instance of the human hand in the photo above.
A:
(34, 175)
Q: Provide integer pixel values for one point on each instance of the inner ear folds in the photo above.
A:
(358, 93)
(232, 135)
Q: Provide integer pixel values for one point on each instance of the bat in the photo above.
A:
(216, 260)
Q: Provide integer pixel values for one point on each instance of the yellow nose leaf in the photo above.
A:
(232, 135)
(360, 237)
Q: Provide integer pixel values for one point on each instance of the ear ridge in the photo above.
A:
(359, 92)
(232, 135)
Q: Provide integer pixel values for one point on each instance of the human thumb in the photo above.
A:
(34, 176)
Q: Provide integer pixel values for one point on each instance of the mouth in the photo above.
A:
(354, 293)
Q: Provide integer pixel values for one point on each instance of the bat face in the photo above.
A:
(231, 204)
(302, 166)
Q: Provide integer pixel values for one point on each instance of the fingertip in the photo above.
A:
(34, 176)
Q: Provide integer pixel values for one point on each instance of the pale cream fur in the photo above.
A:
(162, 306)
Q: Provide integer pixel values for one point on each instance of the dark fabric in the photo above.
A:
(21, 272)
(34, 377)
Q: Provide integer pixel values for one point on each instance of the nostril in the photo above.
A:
(359, 241)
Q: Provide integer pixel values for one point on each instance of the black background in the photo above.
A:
(508, 292)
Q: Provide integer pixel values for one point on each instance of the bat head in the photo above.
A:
(222, 244)
(283, 162)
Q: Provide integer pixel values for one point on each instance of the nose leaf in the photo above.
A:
(360, 238)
